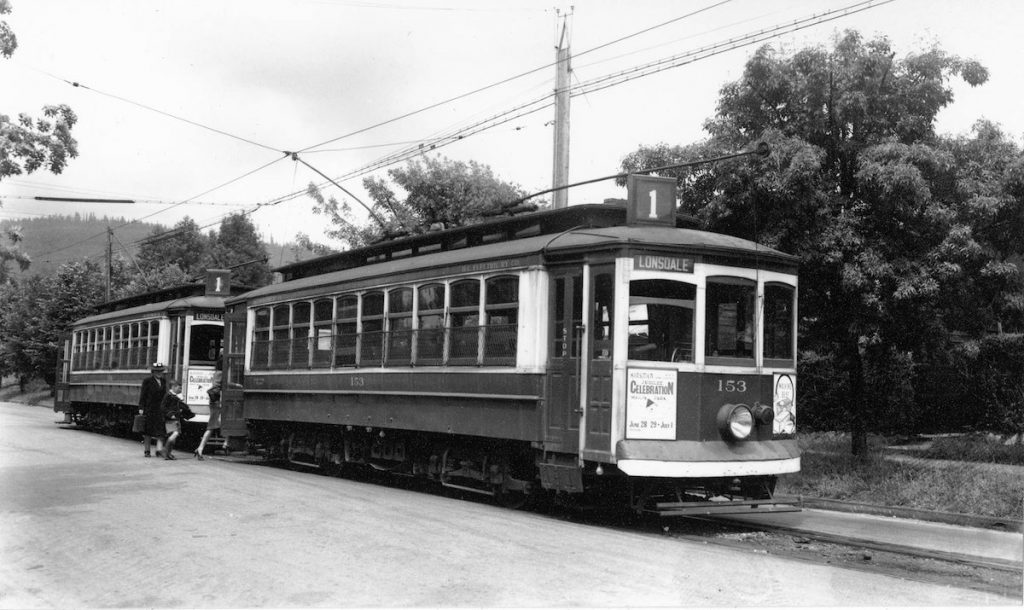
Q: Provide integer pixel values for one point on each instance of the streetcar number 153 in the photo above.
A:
(732, 385)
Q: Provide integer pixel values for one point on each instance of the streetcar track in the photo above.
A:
(888, 547)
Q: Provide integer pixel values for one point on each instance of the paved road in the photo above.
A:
(85, 520)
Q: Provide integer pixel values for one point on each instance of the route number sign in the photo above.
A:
(651, 200)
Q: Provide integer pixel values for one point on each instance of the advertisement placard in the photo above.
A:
(195, 389)
(784, 404)
(651, 404)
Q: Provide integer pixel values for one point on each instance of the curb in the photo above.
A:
(978, 521)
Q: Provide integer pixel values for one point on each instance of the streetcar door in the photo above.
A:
(232, 416)
(598, 422)
(62, 387)
(562, 418)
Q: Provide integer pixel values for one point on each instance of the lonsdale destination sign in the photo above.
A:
(652, 262)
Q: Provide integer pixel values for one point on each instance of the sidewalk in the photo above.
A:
(951, 540)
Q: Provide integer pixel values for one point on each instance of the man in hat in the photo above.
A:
(152, 394)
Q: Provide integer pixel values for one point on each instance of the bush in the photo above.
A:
(992, 370)
(821, 393)
(823, 388)
(889, 392)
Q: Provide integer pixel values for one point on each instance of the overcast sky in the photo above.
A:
(285, 76)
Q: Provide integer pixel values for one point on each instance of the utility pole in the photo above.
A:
(110, 260)
(560, 172)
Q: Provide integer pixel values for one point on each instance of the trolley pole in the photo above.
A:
(560, 173)
(110, 261)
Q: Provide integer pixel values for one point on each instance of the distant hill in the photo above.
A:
(52, 241)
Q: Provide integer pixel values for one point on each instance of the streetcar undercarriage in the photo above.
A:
(507, 471)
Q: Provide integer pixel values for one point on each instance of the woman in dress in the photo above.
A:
(213, 425)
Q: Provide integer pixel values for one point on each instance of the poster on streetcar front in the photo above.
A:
(198, 382)
(651, 404)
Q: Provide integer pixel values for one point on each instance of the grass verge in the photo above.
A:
(36, 393)
(975, 448)
(829, 471)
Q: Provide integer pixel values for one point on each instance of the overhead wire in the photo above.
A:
(541, 103)
(461, 96)
(90, 238)
(688, 57)
(504, 81)
(120, 201)
(617, 78)
(156, 110)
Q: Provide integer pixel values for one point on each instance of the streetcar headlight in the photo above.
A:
(735, 422)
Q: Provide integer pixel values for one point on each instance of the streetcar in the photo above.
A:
(596, 350)
(107, 355)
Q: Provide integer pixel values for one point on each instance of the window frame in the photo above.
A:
(456, 310)
(671, 350)
(340, 339)
(378, 339)
(789, 362)
(438, 331)
(299, 335)
(489, 310)
(320, 358)
(752, 316)
(261, 346)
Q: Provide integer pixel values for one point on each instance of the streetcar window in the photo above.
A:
(502, 310)
(323, 341)
(371, 333)
(280, 336)
(399, 335)
(430, 323)
(237, 340)
(115, 346)
(778, 322)
(464, 334)
(604, 306)
(94, 347)
(105, 358)
(661, 320)
(205, 343)
(151, 350)
(346, 331)
(261, 339)
(299, 340)
(729, 313)
(133, 346)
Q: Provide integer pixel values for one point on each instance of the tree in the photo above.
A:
(184, 247)
(439, 192)
(857, 184)
(237, 245)
(28, 144)
(39, 311)
(987, 233)
(169, 276)
(10, 253)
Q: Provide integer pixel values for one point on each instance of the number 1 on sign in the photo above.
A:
(654, 203)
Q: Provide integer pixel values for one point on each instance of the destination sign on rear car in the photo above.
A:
(649, 262)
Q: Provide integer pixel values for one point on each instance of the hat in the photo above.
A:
(158, 367)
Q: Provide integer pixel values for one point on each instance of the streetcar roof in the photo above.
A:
(152, 310)
(520, 253)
